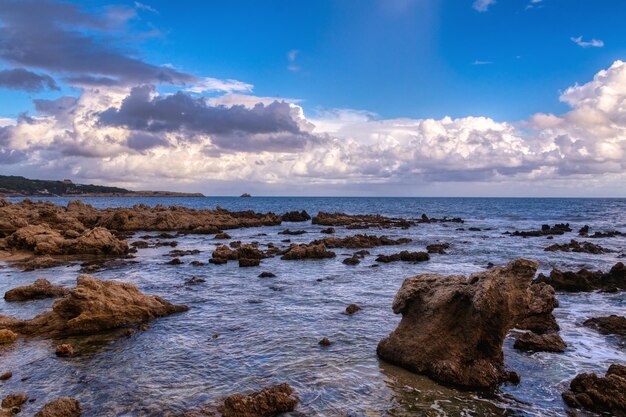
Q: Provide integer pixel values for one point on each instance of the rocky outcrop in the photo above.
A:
(61, 407)
(360, 241)
(533, 342)
(359, 221)
(39, 262)
(575, 246)
(439, 248)
(247, 254)
(453, 328)
(600, 394)
(352, 309)
(91, 307)
(6, 336)
(426, 219)
(585, 280)
(310, 251)
(546, 230)
(14, 402)
(584, 232)
(296, 216)
(292, 232)
(539, 318)
(404, 256)
(612, 324)
(40, 289)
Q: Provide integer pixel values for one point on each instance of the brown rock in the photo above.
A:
(325, 342)
(328, 231)
(292, 232)
(246, 262)
(453, 328)
(352, 308)
(40, 262)
(599, 394)
(353, 260)
(175, 261)
(575, 246)
(540, 318)
(534, 342)
(268, 402)
(6, 375)
(310, 251)
(612, 324)
(61, 407)
(94, 306)
(222, 236)
(7, 336)
(40, 289)
(267, 275)
(404, 256)
(439, 248)
(64, 350)
(14, 401)
(296, 216)
(585, 280)
(360, 241)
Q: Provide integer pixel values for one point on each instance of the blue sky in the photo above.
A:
(467, 96)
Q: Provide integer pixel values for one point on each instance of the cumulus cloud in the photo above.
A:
(482, 5)
(595, 43)
(21, 79)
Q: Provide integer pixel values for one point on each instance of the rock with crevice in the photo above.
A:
(612, 324)
(533, 342)
(599, 394)
(310, 251)
(91, 307)
(586, 280)
(296, 216)
(361, 241)
(576, 246)
(453, 327)
(360, 221)
(61, 407)
(40, 289)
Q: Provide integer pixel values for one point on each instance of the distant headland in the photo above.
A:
(16, 186)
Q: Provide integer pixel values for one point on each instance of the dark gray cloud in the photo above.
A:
(141, 141)
(262, 127)
(55, 107)
(21, 79)
(60, 38)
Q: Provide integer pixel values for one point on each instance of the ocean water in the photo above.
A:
(267, 328)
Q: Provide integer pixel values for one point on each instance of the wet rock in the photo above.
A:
(236, 244)
(438, 248)
(218, 261)
(247, 262)
(361, 253)
(40, 262)
(40, 289)
(91, 307)
(310, 251)
(353, 260)
(325, 342)
(557, 229)
(175, 261)
(268, 402)
(585, 280)
(539, 318)
(453, 328)
(292, 232)
(359, 221)
(360, 241)
(5, 376)
(404, 256)
(161, 244)
(352, 308)
(222, 236)
(61, 407)
(7, 336)
(140, 244)
(474, 229)
(328, 231)
(14, 402)
(600, 394)
(529, 341)
(180, 253)
(575, 246)
(612, 324)
(296, 216)
(224, 252)
(64, 350)
(584, 231)
(267, 275)
(197, 263)
(426, 219)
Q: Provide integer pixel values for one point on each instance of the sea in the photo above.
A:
(243, 333)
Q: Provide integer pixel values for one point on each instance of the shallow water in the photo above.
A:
(269, 327)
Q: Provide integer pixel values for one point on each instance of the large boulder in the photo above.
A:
(268, 402)
(61, 407)
(533, 342)
(612, 324)
(453, 328)
(310, 251)
(585, 280)
(40, 289)
(94, 306)
(600, 394)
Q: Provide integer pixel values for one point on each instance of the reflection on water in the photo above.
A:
(243, 332)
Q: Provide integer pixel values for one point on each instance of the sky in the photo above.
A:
(293, 97)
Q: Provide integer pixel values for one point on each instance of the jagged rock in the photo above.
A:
(575, 246)
(404, 256)
(296, 216)
(546, 230)
(40, 262)
(600, 394)
(267, 275)
(438, 248)
(14, 402)
(539, 318)
(61, 407)
(7, 336)
(268, 402)
(426, 219)
(91, 307)
(585, 280)
(40, 289)
(180, 253)
(310, 251)
(360, 241)
(530, 341)
(64, 350)
(453, 328)
(359, 221)
(352, 308)
(612, 324)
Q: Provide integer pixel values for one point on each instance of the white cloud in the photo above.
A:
(483, 5)
(586, 44)
(479, 62)
(291, 58)
(143, 6)
(209, 84)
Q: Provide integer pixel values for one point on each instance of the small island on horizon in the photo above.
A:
(17, 186)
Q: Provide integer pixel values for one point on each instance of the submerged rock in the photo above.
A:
(575, 246)
(94, 306)
(353, 260)
(585, 280)
(40, 289)
(310, 251)
(600, 394)
(404, 256)
(453, 328)
(292, 232)
(328, 231)
(325, 342)
(222, 236)
(530, 341)
(612, 324)
(61, 407)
